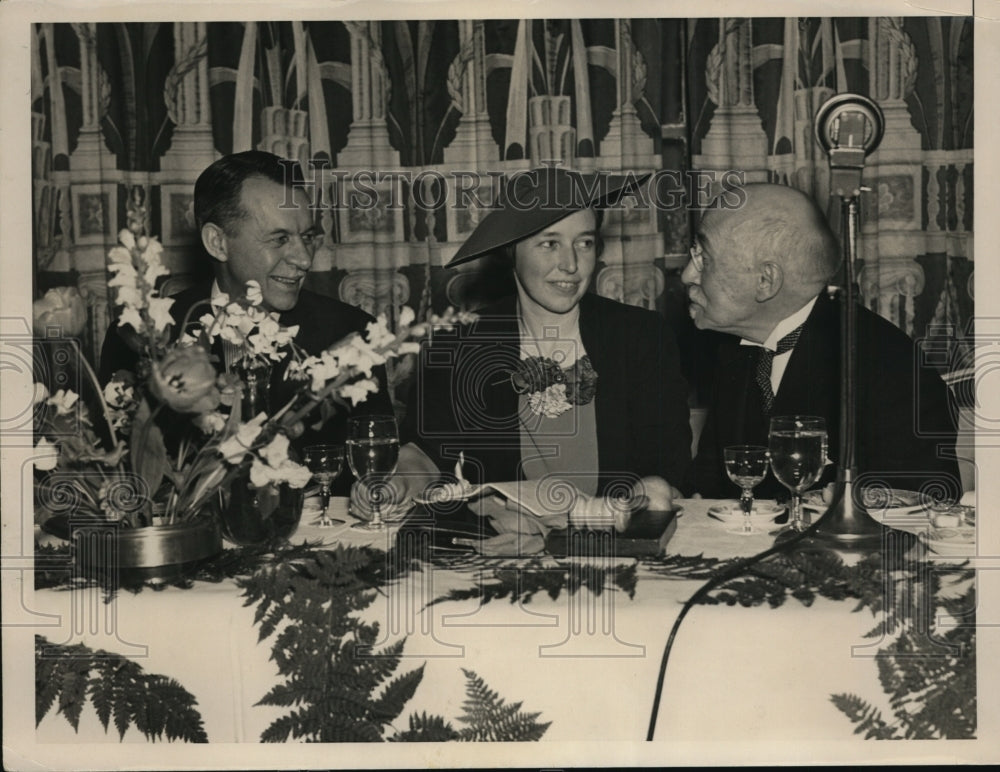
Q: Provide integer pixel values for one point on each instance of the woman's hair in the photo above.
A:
(217, 193)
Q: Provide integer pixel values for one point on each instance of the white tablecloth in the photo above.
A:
(588, 664)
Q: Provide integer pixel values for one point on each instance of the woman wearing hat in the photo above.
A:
(552, 380)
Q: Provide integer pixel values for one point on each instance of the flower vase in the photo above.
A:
(257, 389)
(154, 554)
(252, 516)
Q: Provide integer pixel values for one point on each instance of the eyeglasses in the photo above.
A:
(697, 257)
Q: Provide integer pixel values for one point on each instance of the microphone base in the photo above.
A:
(847, 527)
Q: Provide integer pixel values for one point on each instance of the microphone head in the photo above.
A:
(849, 122)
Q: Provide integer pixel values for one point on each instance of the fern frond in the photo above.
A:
(119, 690)
(424, 728)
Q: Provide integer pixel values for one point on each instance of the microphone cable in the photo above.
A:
(730, 573)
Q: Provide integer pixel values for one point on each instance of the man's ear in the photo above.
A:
(214, 239)
(770, 278)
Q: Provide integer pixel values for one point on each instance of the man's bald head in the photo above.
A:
(761, 262)
(783, 224)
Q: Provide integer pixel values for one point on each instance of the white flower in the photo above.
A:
(41, 393)
(378, 333)
(130, 297)
(153, 272)
(254, 294)
(406, 316)
(212, 422)
(359, 390)
(152, 250)
(125, 275)
(126, 238)
(63, 401)
(236, 447)
(118, 394)
(276, 451)
(550, 403)
(296, 475)
(159, 312)
(410, 347)
(118, 256)
(321, 369)
(220, 301)
(131, 316)
(358, 354)
(47, 455)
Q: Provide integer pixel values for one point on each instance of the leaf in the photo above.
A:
(424, 728)
(72, 695)
(398, 692)
(490, 718)
(47, 680)
(118, 688)
(148, 455)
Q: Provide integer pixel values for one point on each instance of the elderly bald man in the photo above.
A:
(759, 273)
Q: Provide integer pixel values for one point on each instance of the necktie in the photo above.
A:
(764, 367)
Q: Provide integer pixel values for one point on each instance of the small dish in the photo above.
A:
(731, 514)
(959, 541)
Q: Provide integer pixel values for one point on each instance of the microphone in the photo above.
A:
(848, 128)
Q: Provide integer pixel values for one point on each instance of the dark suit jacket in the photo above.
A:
(905, 425)
(462, 398)
(322, 322)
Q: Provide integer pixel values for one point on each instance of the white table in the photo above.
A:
(588, 664)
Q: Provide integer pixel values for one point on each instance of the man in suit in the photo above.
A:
(255, 222)
(760, 274)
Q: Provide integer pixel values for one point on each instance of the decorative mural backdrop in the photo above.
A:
(125, 116)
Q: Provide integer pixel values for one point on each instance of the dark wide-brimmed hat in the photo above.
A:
(532, 200)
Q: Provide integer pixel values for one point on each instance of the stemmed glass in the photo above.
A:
(373, 452)
(326, 463)
(798, 455)
(746, 466)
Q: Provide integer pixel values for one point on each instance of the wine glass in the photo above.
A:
(326, 463)
(746, 466)
(798, 454)
(372, 453)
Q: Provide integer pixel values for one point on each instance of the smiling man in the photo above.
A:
(254, 218)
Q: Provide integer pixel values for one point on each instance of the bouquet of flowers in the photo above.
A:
(176, 432)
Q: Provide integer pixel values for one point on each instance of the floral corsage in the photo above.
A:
(551, 389)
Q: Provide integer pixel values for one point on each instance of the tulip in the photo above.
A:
(185, 380)
(61, 307)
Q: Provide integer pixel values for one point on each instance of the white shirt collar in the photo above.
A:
(782, 328)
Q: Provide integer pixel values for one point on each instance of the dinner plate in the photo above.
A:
(959, 541)
(730, 512)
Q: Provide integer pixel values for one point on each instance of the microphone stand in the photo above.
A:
(842, 127)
